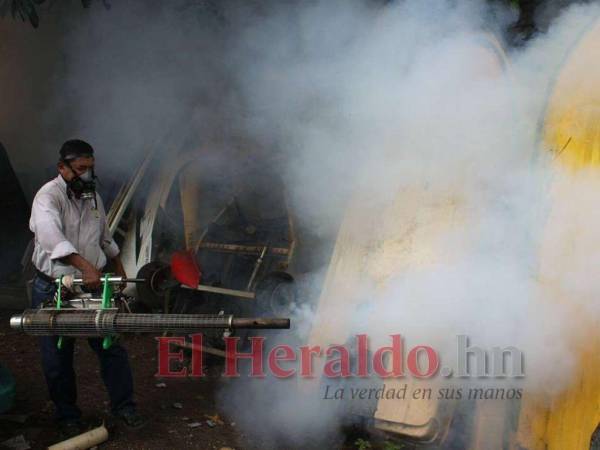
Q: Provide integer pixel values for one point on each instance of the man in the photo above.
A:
(72, 238)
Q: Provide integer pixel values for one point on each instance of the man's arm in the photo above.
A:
(90, 275)
(108, 244)
(119, 270)
(118, 265)
(47, 226)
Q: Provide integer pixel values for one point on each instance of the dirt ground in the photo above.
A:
(169, 427)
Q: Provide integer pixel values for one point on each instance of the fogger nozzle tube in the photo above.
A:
(65, 322)
(69, 280)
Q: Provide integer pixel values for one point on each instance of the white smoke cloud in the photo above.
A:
(376, 103)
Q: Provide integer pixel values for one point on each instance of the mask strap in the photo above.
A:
(68, 164)
(70, 192)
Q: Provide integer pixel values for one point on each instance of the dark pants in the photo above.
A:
(58, 366)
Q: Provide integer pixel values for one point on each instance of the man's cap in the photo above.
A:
(75, 148)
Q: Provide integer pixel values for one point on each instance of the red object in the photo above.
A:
(185, 268)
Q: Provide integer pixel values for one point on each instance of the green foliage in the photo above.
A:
(362, 444)
(387, 445)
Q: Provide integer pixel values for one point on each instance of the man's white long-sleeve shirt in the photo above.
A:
(63, 226)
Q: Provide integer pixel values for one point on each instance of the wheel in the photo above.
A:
(151, 293)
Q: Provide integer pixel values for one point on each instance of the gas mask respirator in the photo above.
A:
(83, 186)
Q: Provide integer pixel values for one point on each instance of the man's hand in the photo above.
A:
(91, 275)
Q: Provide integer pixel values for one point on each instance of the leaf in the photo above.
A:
(362, 444)
(216, 419)
(34, 19)
(31, 13)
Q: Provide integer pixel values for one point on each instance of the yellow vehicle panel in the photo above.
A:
(571, 130)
